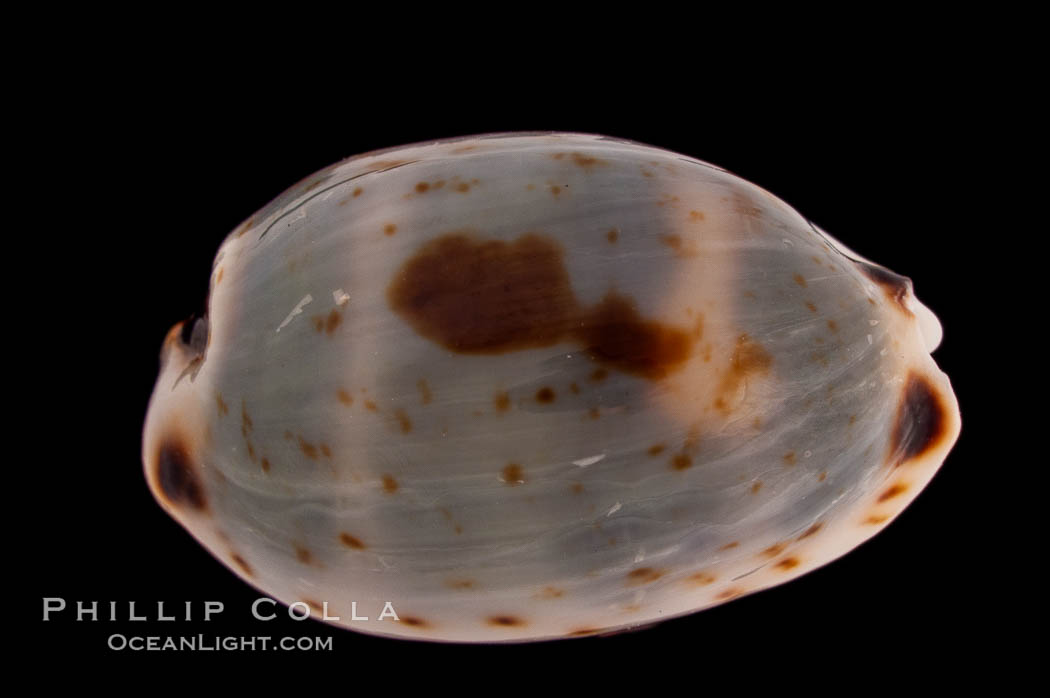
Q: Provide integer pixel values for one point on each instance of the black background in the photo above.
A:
(152, 169)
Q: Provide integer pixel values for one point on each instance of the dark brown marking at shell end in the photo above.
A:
(505, 621)
(177, 477)
(921, 420)
(897, 287)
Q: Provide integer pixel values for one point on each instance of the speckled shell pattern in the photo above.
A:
(533, 386)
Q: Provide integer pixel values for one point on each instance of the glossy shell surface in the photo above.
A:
(533, 386)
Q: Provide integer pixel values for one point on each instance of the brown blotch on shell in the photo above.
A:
(243, 564)
(422, 187)
(389, 484)
(403, 421)
(501, 401)
(921, 421)
(414, 621)
(344, 397)
(643, 575)
(583, 632)
(789, 458)
(787, 563)
(876, 519)
(177, 477)
(800, 280)
(505, 621)
(729, 546)
(459, 583)
(309, 450)
(756, 487)
(701, 578)
(486, 296)
(774, 550)
(682, 461)
(351, 541)
(546, 395)
(811, 530)
(221, 405)
(303, 554)
(265, 465)
(680, 247)
(513, 474)
(389, 229)
(550, 593)
(612, 236)
(895, 286)
(811, 306)
(730, 594)
(656, 449)
(317, 606)
(893, 491)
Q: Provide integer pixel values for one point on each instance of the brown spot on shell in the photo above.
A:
(317, 606)
(598, 375)
(800, 280)
(574, 389)
(222, 406)
(177, 476)
(789, 458)
(612, 236)
(243, 564)
(501, 401)
(787, 563)
(811, 306)
(656, 449)
(550, 593)
(403, 420)
(681, 248)
(505, 621)
(682, 461)
(756, 487)
(332, 321)
(546, 395)
(729, 546)
(833, 326)
(513, 474)
(389, 484)
(921, 421)
(265, 465)
(577, 487)
(811, 530)
(344, 397)
(389, 229)
(896, 287)
(774, 550)
(876, 519)
(731, 593)
(583, 632)
(643, 575)
(303, 554)
(459, 583)
(478, 296)
(309, 450)
(414, 621)
(701, 578)
(422, 187)
(696, 216)
(893, 491)
(351, 541)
